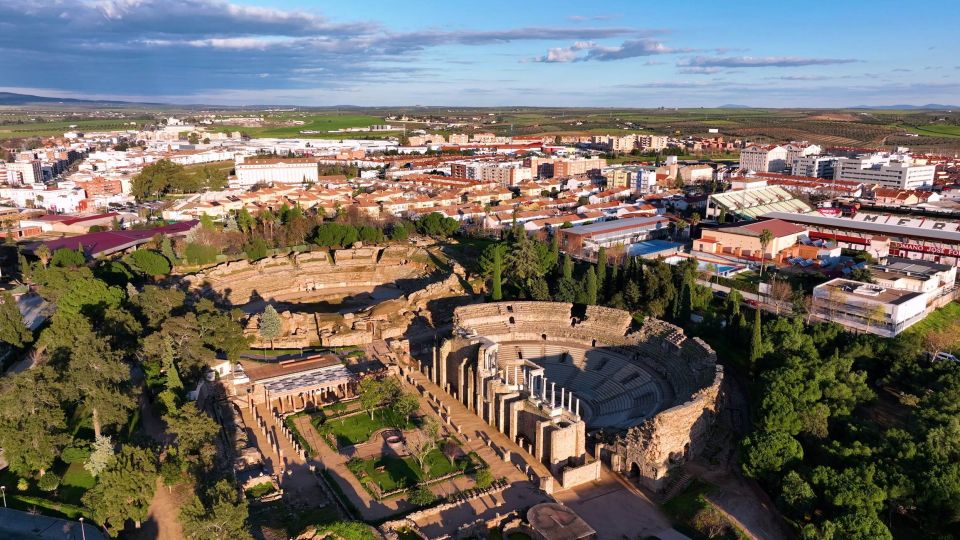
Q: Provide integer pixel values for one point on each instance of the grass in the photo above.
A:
(936, 130)
(692, 513)
(313, 122)
(940, 319)
(358, 428)
(292, 426)
(58, 128)
(398, 473)
(260, 490)
(274, 353)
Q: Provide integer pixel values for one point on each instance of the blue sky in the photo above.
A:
(493, 53)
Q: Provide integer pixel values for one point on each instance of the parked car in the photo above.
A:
(720, 294)
(752, 303)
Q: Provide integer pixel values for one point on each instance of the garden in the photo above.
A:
(391, 473)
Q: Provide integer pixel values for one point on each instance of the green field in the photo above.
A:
(58, 128)
(936, 130)
(313, 122)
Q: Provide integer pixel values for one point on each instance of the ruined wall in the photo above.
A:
(316, 274)
(672, 437)
(574, 476)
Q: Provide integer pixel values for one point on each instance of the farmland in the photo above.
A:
(291, 124)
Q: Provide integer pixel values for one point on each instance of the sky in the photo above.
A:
(681, 53)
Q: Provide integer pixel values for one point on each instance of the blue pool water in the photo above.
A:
(649, 247)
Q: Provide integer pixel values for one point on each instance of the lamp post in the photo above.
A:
(3, 490)
(83, 533)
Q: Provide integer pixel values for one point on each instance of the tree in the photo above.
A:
(567, 271)
(781, 292)
(406, 405)
(756, 341)
(422, 496)
(765, 238)
(271, 324)
(370, 392)
(124, 491)
(32, 421)
(423, 441)
(101, 457)
(43, 253)
(937, 341)
(160, 178)
(150, 262)
(765, 453)
(94, 377)
(13, 331)
(590, 289)
(437, 225)
(484, 478)
(68, 258)
(256, 249)
(193, 432)
(491, 264)
(221, 515)
(601, 266)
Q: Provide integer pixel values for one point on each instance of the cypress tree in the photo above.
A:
(756, 345)
(496, 292)
(591, 287)
(601, 265)
(567, 266)
(686, 302)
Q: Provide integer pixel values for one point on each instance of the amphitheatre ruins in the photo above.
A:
(573, 388)
(545, 375)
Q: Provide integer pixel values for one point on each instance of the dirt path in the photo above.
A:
(161, 522)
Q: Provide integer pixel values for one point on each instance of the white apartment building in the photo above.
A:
(866, 307)
(814, 166)
(286, 170)
(796, 151)
(39, 196)
(770, 158)
(25, 172)
(886, 170)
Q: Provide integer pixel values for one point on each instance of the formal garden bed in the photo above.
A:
(357, 428)
(389, 475)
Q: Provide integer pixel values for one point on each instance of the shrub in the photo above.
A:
(200, 254)
(256, 249)
(23, 484)
(422, 496)
(49, 482)
(75, 453)
(484, 478)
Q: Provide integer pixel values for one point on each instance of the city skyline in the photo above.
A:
(552, 54)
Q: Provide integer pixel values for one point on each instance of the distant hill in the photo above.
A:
(734, 106)
(930, 106)
(10, 98)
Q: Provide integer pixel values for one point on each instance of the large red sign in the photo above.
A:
(936, 250)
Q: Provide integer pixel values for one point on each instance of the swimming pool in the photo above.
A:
(718, 268)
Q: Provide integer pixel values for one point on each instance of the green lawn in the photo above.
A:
(359, 427)
(404, 472)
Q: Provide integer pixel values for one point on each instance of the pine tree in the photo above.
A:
(756, 343)
(270, 324)
(590, 289)
(13, 331)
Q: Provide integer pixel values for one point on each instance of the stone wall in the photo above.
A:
(575, 476)
(313, 274)
(672, 437)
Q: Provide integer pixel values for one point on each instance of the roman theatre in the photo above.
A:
(547, 374)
